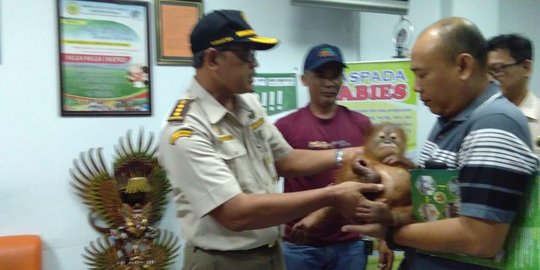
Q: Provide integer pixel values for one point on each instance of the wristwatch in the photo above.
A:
(339, 157)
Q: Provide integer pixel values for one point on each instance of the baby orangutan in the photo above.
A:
(383, 162)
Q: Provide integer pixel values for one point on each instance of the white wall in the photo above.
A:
(38, 145)
(522, 17)
(488, 9)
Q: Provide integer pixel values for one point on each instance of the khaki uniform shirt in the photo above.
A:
(530, 107)
(212, 155)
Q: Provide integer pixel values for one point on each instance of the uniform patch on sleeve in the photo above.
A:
(181, 133)
(180, 110)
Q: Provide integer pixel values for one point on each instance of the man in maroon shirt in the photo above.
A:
(323, 124)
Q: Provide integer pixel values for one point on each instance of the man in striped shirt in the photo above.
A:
(478, 132)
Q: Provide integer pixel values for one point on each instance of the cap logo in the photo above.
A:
(326, 52)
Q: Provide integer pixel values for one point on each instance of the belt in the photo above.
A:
(318, 244)
(262, 248)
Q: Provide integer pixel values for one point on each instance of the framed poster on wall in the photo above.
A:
(104, 58)
(174, 21)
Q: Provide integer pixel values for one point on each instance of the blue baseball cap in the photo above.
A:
(322, 54)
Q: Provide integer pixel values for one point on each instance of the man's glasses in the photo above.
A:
(245, 54)
(500, 69)
(334, 77)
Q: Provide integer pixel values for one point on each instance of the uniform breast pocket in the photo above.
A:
(261, 143)
(232, 152)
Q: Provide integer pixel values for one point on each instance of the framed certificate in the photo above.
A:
(174, 21)
(104, 58)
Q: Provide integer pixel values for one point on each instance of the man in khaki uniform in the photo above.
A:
(223, 157)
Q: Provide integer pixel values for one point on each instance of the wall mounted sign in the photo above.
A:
(104, 58)
(384, 91)
(174, 22)
(277, 91)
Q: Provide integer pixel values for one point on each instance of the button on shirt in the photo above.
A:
(220, 155)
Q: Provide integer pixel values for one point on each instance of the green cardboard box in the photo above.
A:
(435, 195)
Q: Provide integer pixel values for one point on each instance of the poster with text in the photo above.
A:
(104, 57)
(277, 91)
(383, 91)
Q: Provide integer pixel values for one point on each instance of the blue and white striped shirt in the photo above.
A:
(489, 143)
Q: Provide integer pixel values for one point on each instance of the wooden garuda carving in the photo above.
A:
(130, 201)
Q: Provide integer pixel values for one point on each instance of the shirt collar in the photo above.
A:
(492, 92)
(530, 107)
(213, 108)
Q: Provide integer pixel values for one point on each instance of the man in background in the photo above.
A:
(510, 63)
(323, 125)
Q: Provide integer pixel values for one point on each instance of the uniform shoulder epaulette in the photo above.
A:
(180, 110)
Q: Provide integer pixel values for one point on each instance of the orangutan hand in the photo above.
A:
(398, 161)
(375, 212)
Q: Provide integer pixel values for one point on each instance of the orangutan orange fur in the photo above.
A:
(382, 161)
